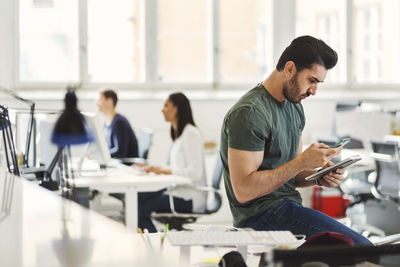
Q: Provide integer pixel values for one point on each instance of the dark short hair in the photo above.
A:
(183, 113)
(109, 93)
(306, 51)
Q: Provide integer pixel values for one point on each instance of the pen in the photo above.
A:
(166, 227)
(146, 233)
(139, 230)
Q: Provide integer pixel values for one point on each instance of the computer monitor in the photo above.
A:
(47, 150)
(98, 149)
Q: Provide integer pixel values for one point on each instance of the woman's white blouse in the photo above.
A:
(187, 159)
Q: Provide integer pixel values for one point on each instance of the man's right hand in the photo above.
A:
(317, 155)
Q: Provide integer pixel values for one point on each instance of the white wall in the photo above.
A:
(208, 115)
(7, 42)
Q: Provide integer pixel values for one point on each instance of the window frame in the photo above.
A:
(283, 32)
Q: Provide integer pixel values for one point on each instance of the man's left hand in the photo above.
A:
(333, 178)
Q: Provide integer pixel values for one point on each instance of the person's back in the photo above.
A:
(120, 137)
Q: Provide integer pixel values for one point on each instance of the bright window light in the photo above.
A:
(48, 41)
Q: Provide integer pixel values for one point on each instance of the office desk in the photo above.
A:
(39, 228)
(127, 180)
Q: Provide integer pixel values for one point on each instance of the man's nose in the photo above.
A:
(312, 90)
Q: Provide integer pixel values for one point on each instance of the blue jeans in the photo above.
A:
(292, 216)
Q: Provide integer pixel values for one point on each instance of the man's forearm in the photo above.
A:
(260, 183)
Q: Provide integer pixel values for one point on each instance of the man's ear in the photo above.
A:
(289, 70)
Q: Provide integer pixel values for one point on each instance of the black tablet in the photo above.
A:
(343, 164)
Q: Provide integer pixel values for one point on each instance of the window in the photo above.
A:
(326, 20)
(327, 30)
(115, 43)
(173, 44)
(376, 47)
(105, 41)
(43, 3)
(368, 52)
(48, 41)
(183, 41)
(245, 40)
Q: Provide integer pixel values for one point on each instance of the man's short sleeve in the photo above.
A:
(247, 129)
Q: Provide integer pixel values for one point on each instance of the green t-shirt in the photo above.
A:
(258, 122)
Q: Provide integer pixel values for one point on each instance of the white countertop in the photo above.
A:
(39, 228)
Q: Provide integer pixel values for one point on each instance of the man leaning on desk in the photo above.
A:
(261, 147)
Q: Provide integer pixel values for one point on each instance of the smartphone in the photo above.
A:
(342, 142)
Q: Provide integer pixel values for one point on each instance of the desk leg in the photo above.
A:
(131, 209)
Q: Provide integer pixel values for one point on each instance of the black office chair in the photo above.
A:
(380, 206)
(387, 182)
(177, 220)
(384, 211)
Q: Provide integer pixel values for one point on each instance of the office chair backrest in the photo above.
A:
(388, 173)
(144, 142)
(215, 183)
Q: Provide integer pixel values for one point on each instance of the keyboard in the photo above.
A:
(230, 238)
(132, 170)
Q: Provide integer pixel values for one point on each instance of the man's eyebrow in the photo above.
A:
(316, 79)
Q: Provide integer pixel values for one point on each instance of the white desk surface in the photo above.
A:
(39, 228)
(120, 178)
(128, 180)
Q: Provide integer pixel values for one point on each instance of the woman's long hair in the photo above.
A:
(183, 113)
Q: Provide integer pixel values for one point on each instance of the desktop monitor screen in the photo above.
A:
(98, 150)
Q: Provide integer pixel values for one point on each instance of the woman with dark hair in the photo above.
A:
(186, 159)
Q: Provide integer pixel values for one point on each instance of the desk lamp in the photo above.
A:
(8, 141)
(70, 129)
(31, 122)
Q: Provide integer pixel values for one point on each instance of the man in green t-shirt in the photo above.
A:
(261, 147)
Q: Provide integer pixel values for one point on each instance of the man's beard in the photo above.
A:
(291, 90)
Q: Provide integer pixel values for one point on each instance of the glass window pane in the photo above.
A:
(48, 38)
(114, 41)
(245, 40)
(326, 20)
(183, 40)
(376, 44)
